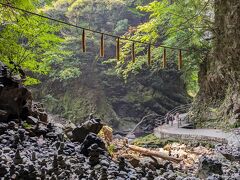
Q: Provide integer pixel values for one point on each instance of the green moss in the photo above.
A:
(111, 149)
(77, 105)
(151, 141)
(148, 96)
(131, 97)
(214, 110)
(139, 96)
(26, 125)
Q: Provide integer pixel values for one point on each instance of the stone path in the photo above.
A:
(216, 135)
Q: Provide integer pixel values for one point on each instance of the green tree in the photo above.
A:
(28, 41)
(171, 24)
(108, 16)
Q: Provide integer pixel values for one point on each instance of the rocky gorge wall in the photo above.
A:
(121, 104)
(218, 102)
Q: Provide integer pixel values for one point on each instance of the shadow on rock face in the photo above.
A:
(16, 101)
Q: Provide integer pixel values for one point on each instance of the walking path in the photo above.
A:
(214, 135)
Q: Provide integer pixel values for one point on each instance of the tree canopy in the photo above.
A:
(28, 41)
(38, 44)
(171, 24)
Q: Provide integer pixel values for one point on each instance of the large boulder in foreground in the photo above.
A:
(13, 99)
(90, 126)
(13, 96)
(16, 101)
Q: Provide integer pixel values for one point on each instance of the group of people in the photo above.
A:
(170, 118)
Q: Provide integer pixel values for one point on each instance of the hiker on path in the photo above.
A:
(171, 119)
(177, 118)
(167, 118)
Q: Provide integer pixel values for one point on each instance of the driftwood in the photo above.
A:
(148, 152)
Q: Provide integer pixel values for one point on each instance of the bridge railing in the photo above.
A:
(159, 119)
(145, 118)
(179, 109)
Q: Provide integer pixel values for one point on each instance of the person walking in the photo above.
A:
(167, 118)
(178, 119)
(171, 119)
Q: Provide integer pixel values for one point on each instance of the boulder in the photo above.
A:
(107, 133)
(12, 100)
(3, 115)
(37, 111)
(13, 96)
(43, 117)
(147, 161)
(3, 170)
(32, 120)
(208, 167)
(3, 128)
(89, 141)
(16, 100)
(41, 130)
(133, 160)
(90, 126)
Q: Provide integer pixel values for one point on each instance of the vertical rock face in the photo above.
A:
(121, 104)
(219, 96)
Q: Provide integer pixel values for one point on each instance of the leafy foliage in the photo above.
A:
(37, 44)
(108, 16)
(28, 41)
(69, 73)
(171, 24)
